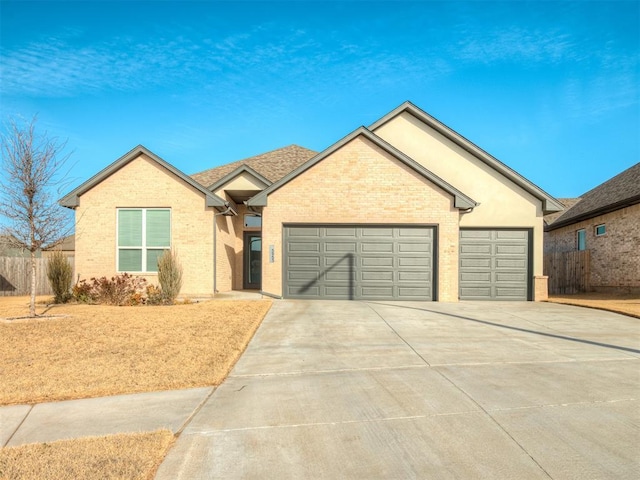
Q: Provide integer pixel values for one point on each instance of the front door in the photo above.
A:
(252, 260)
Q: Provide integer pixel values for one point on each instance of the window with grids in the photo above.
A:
(143, 234)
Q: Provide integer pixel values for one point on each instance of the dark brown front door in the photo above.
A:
(252, 260)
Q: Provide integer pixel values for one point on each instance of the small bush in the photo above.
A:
(169, 276)
(120, 290)
(154, 295)
(60, 275)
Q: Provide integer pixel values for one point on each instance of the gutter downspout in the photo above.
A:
(215, 244)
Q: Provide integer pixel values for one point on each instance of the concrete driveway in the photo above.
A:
(367, 390)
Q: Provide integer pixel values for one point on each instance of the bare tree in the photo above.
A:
(31, 174)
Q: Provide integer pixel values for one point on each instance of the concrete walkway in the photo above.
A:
(143, 412)
(414, 390)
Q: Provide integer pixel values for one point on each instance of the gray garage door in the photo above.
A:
(494, 264)
(358, 262)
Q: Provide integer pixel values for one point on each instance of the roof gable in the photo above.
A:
(237, 172)
(549, 204)
(71, 200)
(618, 192)
(460, 199)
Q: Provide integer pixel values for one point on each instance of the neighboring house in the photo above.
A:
(66, 245)
(404, 209)
(606, 221)
(12, 247)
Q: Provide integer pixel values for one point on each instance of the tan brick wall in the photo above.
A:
(615, 256)
(145, 184)
(362, 184)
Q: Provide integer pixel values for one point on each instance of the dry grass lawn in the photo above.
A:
(627, 304)
(130, 456)
(96, 350)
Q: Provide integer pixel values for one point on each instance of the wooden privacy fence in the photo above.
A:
(15, 276)
(568, 272)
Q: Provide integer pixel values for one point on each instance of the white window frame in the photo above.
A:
(144, 267)
(584, 233)
(595, 230)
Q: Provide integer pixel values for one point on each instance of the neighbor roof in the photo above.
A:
(460, 199)
(67, 243)
(618, 192)
(71, 200)
(549, 204)
(567, 203)
(272, 165)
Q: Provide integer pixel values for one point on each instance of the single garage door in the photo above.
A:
(495, 264)
(358, 262)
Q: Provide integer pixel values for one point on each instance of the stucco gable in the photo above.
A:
(72, 199)
(549, 204)
(461, 200)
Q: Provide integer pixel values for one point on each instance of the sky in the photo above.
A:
(549, 88)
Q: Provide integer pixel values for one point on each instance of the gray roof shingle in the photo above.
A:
(618, 192)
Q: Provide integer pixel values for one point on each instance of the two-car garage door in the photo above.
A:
(358, 262)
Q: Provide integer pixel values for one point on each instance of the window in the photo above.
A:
(581, 239)
(252, 221)
(143, 234)
(601, 230)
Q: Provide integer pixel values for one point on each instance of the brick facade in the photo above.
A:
(362, 184)
(144, 183)
(615, 256)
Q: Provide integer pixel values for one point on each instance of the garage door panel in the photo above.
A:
(296, 261)
(418, 276)
(384, 233)
(515, 293)
(479, 263)
(413, 247)
(511, 277)
(476, 277)
(517, 235)
(376, 261)
(511, 249)
(494, 264)
(305, 275)
(477, 234)
(374, 292)
(480, 249)
(405, 262)
(305, 232)
(377, 276)
(367, 247)
(346, 247)
(511, 263)
(475, 292)
(339, 232)
(414, 292)
(360, 262)
(415, 232)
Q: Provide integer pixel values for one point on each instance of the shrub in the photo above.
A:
(60, 275)
(169, 276)
(120, 290)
